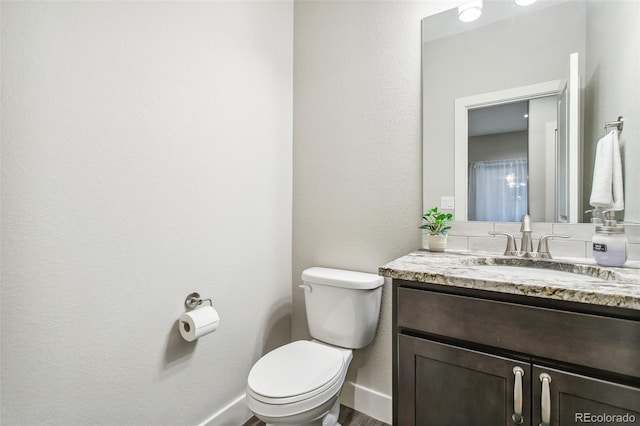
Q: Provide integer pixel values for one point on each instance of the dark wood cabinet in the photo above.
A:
(576, 399)
(449, 385)
(483, 359)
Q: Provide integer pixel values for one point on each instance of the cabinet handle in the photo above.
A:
(545, 400)
(517, 396)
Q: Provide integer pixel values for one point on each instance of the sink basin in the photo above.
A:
(541, 269)
(529, 272)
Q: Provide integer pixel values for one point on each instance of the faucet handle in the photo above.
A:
(511, 249)
(543, 246)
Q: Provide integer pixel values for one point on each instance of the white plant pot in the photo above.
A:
(425, 241)
(437, 242)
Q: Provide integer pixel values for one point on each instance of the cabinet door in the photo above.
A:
(444, 385)
(570, 399)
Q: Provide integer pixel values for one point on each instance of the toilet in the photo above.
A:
(299, 383)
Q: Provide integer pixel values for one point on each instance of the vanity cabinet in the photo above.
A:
(474, 357)
(447, 385)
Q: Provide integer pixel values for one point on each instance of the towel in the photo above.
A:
(607, 191)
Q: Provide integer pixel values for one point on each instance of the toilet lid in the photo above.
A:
(295, 369)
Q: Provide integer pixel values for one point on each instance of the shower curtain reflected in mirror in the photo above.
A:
(498, 190)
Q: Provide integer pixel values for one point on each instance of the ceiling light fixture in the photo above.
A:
(525, 2)
(470, 11)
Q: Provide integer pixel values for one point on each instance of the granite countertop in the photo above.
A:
(570, 279)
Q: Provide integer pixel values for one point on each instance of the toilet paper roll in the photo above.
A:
(198, 322)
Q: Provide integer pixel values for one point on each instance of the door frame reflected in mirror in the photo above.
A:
(464, 104)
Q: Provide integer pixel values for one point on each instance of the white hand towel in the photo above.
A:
(606, 190)
(618, 188)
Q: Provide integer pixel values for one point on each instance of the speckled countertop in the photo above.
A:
(569, 279)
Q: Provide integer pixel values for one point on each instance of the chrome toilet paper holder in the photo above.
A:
(193, 300)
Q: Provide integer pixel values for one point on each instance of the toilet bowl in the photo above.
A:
(299, 383)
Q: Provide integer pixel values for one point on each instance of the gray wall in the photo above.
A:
(357, 152)
(499, 146)
(146, 154)
(543, 117)
(613, 61)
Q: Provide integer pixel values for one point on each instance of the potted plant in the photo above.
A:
(437, 224)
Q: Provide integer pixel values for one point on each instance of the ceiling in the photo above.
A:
(503, 118)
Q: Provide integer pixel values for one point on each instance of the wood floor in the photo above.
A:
(348, 417)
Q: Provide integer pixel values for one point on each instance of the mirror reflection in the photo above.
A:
(549, 176)
(498, 161)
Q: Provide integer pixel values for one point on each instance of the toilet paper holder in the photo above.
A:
(193, 300)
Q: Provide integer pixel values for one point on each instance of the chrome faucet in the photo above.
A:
(511, 249)
(526, 244)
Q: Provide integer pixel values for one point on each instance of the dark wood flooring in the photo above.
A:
(348, 417)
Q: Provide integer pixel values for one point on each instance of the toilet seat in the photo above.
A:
(295, 372)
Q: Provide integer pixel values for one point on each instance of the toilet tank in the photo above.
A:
(343, 307)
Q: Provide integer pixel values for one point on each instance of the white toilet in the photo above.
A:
(299, 383)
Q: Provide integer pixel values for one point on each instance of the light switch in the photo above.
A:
(447, 203)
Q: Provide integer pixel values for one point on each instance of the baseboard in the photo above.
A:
(368, 401)
(233, 414)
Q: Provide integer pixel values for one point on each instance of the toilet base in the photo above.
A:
(328, 419)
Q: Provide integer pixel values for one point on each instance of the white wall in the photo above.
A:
(146, 153)
(357, 157)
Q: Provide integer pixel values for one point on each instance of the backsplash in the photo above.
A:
(475, 236)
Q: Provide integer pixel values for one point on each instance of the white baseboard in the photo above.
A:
(235, 413)
(368, 401)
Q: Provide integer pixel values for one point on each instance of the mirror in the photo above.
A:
(513, 49)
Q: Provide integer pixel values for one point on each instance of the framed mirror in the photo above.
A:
(516, 49)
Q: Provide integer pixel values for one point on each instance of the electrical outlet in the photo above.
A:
(447, 203)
